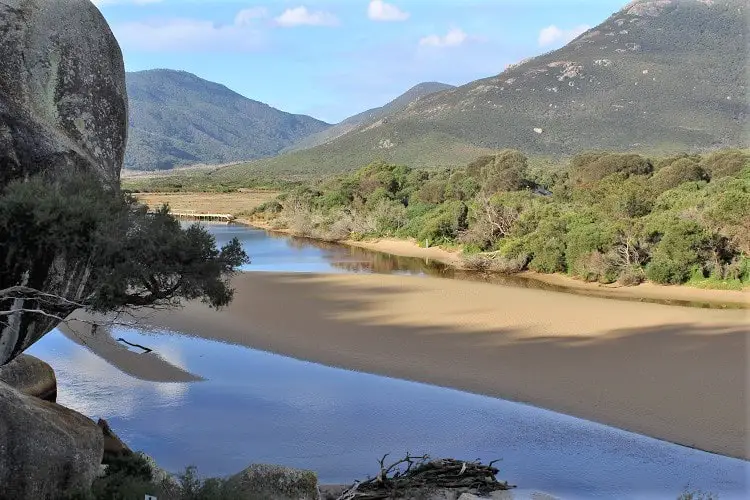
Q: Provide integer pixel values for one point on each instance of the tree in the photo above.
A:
(506, 171)
(592, 167)
(726, 162)
(678, 172)
(57, 233)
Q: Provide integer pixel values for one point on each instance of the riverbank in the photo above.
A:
(674, 373)
(646, 291)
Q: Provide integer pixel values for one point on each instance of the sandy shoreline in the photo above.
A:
(679, 374)
(405, 248)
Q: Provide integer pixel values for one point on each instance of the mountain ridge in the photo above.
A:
(372, 115)
(177, 118)
(656, 76)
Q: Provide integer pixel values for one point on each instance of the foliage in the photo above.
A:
(610, 217)
(132, 258)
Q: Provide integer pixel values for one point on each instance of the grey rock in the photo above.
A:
(30, 376)
(45, 449)
(63, 109)
(260, 481)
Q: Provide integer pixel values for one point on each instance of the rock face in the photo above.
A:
(272, 481)
(45, 449)
(30, 376)
(63, 109)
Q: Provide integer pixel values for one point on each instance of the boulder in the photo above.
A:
(30, 376)
(272, 481)
(63, 109)
(45, 449)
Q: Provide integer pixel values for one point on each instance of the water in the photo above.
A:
(244, 406)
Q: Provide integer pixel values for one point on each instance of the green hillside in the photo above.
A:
(371, 116)
(177, 119)
(657, 76)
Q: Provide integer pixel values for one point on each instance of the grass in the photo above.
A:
(236, 203)
(717, 284)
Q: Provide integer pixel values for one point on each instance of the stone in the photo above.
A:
(30, 376)
(46, 450)
(273, 481)
(63, 109)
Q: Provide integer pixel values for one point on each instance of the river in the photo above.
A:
(245, 406)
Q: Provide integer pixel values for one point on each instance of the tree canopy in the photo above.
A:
(52, 230)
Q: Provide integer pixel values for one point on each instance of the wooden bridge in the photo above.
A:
(193, 215)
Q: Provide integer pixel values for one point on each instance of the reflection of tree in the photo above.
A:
(362, 260)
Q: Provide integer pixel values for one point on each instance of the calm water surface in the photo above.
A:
(252, 406)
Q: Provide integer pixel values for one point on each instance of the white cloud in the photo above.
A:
(378, 10)
(454, 38)
(245, 17)
(188, 35)
(553, 35)
(301, 16)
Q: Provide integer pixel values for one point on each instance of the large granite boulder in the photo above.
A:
(261, 481)
(45, 449)
(63, 109)
(30, 376)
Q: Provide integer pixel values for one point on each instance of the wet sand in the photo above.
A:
(675, 373)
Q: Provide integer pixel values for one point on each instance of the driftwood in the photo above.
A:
(411, 475)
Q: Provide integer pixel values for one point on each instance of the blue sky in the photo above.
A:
(334, 58)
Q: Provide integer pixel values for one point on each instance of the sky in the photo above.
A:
(334, 58)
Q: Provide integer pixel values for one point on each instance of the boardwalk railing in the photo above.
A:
(193, 215)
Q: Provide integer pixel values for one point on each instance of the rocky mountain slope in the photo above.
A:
(408, 98)
(657, 76)
(177, 118)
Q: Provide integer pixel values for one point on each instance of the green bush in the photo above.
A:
(506, 171)
(592, 167)
(680, 247)
(726, 163)
(678, 172)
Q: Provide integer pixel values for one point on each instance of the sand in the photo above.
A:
(675, 373)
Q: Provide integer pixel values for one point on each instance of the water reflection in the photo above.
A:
(258, 407)
(279, 252)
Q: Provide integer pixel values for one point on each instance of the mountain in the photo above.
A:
(657, 76)
(371, 116)
(177, 118)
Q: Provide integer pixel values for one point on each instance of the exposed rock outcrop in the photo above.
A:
(63, 109)
(30, 376)
(45, 449)
(273, 481)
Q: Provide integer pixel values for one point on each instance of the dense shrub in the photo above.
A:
(505, 171)
(607, 218)
(678, 172)
(726, 162)
(593, 167)
(679, 250)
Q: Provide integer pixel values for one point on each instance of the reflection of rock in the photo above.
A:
(272, 481)
(30, 376)
(46, 449)
(113, 445)
(63, 109)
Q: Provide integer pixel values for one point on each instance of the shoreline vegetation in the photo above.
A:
(452, 258)
(618, 224)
